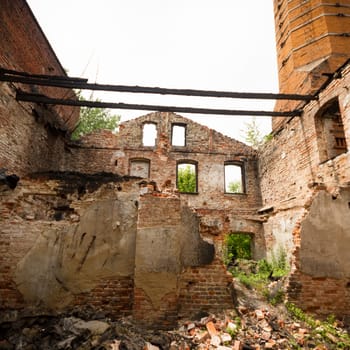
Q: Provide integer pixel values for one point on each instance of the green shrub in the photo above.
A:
(258, 275)
(237, 246)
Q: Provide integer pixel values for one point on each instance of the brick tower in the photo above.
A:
(313, 41)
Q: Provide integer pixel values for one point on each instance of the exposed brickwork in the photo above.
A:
(312, 38)
(31, 136)
(25, 145)
(293, 171)
(114, 297)
(176, 273)
(47, 212)
(320, 295)
(131, 245)
(18, 28)
(166, 316)
(155, 212)
(205, 288)
(207, 147)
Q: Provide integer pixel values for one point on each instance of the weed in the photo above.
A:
(234, 331)
(258, 275)
(326, 330)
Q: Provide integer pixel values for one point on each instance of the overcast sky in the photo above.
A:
(224, 45)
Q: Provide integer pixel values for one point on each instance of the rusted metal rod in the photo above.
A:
(75, 83)
(29, 97)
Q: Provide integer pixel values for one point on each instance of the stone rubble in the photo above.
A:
(241, 329)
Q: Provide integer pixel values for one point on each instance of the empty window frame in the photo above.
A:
(178, 135)
(330, 131)
(140, 167)
(234, 177)
(149, 134)
(238, 245)
(187, 177)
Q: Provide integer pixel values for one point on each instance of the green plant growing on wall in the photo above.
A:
(186, 178)
(92, 119)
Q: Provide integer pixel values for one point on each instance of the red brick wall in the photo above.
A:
(26, 145)
(112, 296)
(291, 174)
(177, 274)
(205, 288)
(24, 47)
(104, 151)
(145, 314)
(311, 40)
(31, 137)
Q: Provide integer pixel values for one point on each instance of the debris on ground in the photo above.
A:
(252, 325)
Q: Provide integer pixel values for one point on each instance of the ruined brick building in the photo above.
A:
(100, 222)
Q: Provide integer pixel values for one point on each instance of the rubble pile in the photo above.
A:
(253, 324)
(243, 329)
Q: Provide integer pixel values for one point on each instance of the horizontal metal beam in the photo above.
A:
(29, 97)
(14, 73)
(74, 83)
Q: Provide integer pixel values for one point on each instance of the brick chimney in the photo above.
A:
(313, 40)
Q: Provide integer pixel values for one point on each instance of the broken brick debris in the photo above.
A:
(270, 330)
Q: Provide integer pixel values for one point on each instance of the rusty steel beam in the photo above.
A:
(29, 97)
(75, 83)
(9, 74)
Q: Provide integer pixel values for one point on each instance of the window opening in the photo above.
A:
(149, 134)
(140, 168)
(178, 136)
(186, 179)
(330, 129)
(234, 178)
(237, 245)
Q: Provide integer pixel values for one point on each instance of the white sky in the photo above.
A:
(224, 45)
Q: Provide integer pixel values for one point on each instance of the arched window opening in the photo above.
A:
(330, 131)
(178, 135)
(149, 134)
(186, 177)
(234, 178)
(140, 168)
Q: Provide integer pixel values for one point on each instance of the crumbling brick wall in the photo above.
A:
(24, 47)
(26, 145)
(312, 42)
(293, 174)
(68, 240)
(84, 214)
(105, 151)
(31, 136)
(177, 273)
